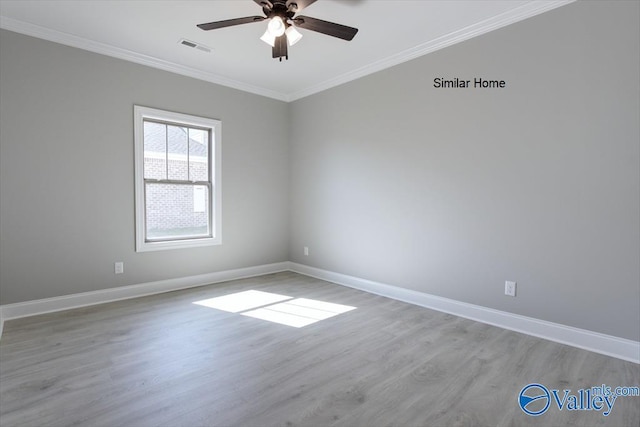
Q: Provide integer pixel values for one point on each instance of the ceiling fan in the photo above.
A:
(283, 22)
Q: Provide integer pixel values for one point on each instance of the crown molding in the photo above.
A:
(128, 55)
(517, 14)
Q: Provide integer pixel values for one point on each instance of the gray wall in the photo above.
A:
(453, 191)
(65, 219)
(449, 192)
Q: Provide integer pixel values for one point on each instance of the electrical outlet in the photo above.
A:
(306, 251)
(510, 288)
(119, 267)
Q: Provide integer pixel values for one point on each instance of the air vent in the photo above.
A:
(194, 45)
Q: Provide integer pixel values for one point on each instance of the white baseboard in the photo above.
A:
(593, 341)
(66, 302)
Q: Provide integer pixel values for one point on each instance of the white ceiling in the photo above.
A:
(148, 32)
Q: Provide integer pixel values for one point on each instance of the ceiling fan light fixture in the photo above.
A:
(283, 20)
(276, 26)
(293, 35)
(268, 38)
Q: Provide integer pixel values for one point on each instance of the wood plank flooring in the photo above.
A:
(164, 361)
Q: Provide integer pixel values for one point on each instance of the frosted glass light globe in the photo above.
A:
(276, 26)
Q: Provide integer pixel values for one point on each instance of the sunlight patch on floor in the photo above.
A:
(242, 301)
(282, 309)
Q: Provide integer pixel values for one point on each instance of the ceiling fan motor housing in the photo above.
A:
(279, 8)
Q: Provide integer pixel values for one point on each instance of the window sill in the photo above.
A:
(177, 244)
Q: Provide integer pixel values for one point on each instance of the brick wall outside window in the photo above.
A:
(172, 206)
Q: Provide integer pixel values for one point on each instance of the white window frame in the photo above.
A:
(215, 173)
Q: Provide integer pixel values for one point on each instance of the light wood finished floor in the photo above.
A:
(163, 361)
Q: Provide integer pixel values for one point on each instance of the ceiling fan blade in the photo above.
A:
(230, 22)
(279, 49)
(325, 27)
(301, 4)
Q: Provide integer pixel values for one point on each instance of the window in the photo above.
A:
(177, 173)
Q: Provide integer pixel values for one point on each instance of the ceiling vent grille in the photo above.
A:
(194, 45)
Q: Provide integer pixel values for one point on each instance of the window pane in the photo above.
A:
(198, 155)
(177, 155)
(155, 150)
(176, 211)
